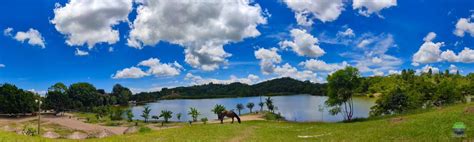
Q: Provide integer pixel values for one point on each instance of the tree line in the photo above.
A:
(280, 86)
(397, 93)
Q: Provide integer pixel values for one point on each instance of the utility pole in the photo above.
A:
(39, 115)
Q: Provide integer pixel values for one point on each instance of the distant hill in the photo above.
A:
(280, 86)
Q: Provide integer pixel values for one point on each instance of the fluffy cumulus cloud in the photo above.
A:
(464, 25)
(155, 67)
(91, 21)
(287, 70)
(453, 69)
(203, 27)
(430, 52)
(347, 33)
(322, 66)
(368, 7)
(268, 58)
(303, 44)
(32, 36)
(198, 80)
(307, 10)
(79, 52)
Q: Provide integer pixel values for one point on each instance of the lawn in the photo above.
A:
(431, 125)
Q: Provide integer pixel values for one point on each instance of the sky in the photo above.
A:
(147, 45)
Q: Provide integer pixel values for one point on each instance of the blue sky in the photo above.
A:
(147, 45)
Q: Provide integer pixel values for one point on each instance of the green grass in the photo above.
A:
(431, 125)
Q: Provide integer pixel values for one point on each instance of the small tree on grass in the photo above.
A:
(194, 113)
(269, 103)
(178, 116)
(129, 114)
(218, 109)
(250, 106)
(261, 106)
(166, 114)
(101, 111)
(146, 113)
(239, 107)
(341, 86)
(204, 120)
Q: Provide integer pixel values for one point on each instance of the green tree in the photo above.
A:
(122, 94)
(204, 120)
(250, 106)
(394, 102)
(84, 96)
(58, 87)
(178, 116)
(129, 114)
(166, 114)
(261, 106)
(341, 86)
(269, 103)
(146, 113)
(239, 107)
(194, 113)
(57, 99)
(218, 109)
(101, 111)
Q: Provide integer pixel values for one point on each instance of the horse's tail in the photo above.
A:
(237, 116)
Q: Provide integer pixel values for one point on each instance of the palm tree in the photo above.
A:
(218, 109)
(146, 113)
(261, 106)
(178, 116)
(269, 103)
(166, 114)
(194, 113)
(250, 106)
(240, 107)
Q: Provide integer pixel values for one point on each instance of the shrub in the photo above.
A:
(144, 129)
(204, 120)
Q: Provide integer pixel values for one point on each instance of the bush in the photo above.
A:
(29, 130)
(144, 129)
(273, 116)
(204, 120)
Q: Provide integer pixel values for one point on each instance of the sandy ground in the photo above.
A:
(74, 123)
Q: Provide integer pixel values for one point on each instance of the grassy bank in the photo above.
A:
(432, 125)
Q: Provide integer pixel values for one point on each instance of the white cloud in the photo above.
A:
(287, 70)
(2, 65)
(303, 44)
(426, 69)
(132, 72)
(91, 21)
(347, 33)
(8, 31)
(321, 66)
(155, 67)
(364, 43)
(368, 7)
(394, 72)
(268, 58)
(429, 51)
(453, 69)
(464, 25)
(198, 80)
(203, 28)
(81, 52)
(111, 49)
(32, 36)
(307, 10)
(378, 73)
(161, 69)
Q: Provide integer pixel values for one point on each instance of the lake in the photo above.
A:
(301, 108)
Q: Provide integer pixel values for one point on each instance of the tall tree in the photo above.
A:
(146, 113)
(239, 107)
(122, 94)
(341, 86)
(250, 105)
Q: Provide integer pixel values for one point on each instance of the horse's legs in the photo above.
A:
(232, 120)
(222, 121)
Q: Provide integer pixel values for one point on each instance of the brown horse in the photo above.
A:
(230, 114)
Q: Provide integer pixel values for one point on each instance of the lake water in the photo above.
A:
(299, 108)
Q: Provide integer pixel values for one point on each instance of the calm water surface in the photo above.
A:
(294, 108)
